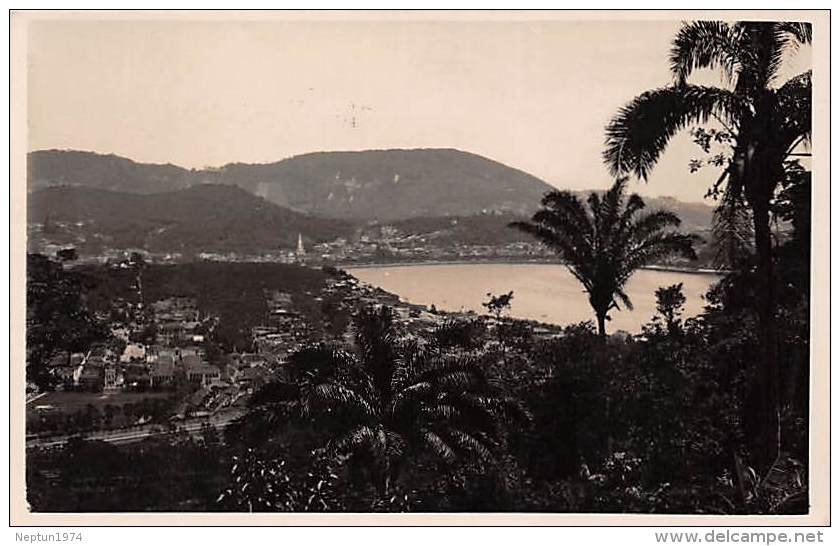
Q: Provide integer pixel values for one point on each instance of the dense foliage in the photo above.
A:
(58, 320)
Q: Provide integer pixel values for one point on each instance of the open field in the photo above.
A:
(70, 402)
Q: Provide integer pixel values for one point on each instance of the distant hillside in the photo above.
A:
(377, 185)
(206, 217)
(105, 172)
(368, 185)
(390, 184)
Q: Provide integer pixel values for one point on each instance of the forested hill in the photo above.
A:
(207, 217)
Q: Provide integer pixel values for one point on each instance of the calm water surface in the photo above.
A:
(543, 292)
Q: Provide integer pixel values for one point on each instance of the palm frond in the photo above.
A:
(794, 105)
(360, 437)
(440, 367)
(625, 299)
(652, 223)
(609, 212)
(800, 33)
(376, 341)
(558, 240)
(340, 397)
(441, 411)
(507, 408)
(395, 444)
(470, 444)
(438, 445)
(635, 204)
(408, 358)
(705, 44)
(639, 133)
(414, 391)
(564, 226)
(659, 246)
(457, 379)
(567, 207)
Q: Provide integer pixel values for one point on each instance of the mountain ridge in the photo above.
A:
(373, 185)
(359, 185)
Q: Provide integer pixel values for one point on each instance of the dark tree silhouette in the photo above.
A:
(669, 303)
(497, 305)
(603, 246)
(768, 123)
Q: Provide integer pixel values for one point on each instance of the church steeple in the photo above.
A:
(300, 250)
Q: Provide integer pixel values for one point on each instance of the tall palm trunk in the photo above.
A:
(768, 371)
(602, 366)
(602, 327)
(764, 169)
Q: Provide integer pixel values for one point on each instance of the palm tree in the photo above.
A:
(767, 122)
(389, 401)
(604, 246)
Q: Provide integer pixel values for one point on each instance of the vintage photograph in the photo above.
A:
(420, 262)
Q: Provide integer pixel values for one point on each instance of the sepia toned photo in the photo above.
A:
(418, 263)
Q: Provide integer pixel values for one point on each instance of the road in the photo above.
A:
(35, 397)
(191, 426)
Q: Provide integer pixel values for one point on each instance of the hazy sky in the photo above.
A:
(533, 95)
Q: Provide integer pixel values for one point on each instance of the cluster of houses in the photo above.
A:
(283, 331)
(177, 322)
(177, 359)
(385, 243)
(177, 353)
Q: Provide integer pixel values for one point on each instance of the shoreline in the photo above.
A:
(667, 269)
